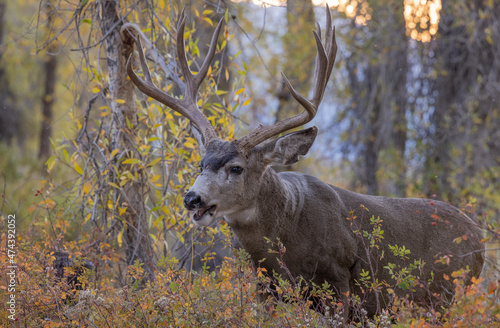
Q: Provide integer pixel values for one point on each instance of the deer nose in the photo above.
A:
(192, 200)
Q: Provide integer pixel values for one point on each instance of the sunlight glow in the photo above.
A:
(422, 18)
(357, 9)
(265, 3)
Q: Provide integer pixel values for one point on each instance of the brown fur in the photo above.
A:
(310, 218)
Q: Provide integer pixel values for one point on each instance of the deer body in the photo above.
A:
(321, 245)
(320, 225)
(310, 218)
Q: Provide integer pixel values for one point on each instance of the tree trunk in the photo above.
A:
(9, 116)
(50, 67)
(139, 245)
(464, 144)
(377, 78)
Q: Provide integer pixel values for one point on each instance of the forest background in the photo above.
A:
(94, 172)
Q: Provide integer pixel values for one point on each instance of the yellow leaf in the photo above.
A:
(247, 101)
(114, 152)
(239, 91)
(180, 237)
(120, 101)
(66, 156)
(87, 186)
(223, 121)
(50, 163)
(78, 169)
(121, 210)
(153, 162)
(96, 89)
(154, 178)
(188, 144)
(119, 238)
(208, 20)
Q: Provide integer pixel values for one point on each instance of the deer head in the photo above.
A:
(232, 171)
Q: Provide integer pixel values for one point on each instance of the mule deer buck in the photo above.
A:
(312, 219)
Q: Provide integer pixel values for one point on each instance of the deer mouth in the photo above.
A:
(201, 212)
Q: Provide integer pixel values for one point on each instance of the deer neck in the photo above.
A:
(277, 201)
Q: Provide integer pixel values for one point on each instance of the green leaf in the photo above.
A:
(114, 185)
(50, 162)
(131, 161)
(153, 162)
(66, 156)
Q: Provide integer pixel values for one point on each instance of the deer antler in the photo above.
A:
(325, 59)
(187, 106)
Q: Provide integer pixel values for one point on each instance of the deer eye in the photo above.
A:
(236, 170)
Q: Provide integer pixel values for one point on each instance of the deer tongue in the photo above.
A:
(199, 214)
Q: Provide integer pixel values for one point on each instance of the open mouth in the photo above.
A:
(201, 212)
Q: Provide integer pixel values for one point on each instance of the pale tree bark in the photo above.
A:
(139, 245)
(196, 244)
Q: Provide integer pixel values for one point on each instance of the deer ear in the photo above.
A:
(287, 149)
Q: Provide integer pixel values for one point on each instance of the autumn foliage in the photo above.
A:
(226, 297)
(76, 215)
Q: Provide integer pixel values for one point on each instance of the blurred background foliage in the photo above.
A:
(412, 110)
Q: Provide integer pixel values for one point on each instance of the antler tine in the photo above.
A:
(187, 106)
(144, 64)
(325, 59)
(181, 52)
(331, 43)
(320, 73)
(194, 81)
